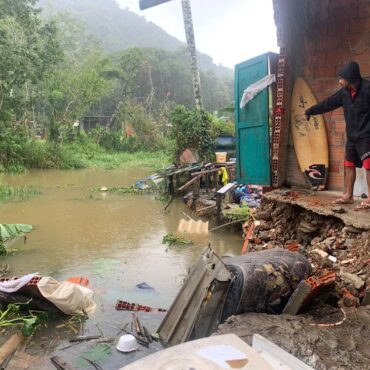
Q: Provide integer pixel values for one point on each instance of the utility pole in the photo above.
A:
(190, 40)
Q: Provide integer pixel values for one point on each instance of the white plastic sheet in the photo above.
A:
(13, 285)
(252, 90)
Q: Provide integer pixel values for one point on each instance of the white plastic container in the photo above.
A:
(360, 188)
(127, 343)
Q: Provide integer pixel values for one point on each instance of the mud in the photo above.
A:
(345, 346)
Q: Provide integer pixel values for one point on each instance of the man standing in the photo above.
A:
(354, 97)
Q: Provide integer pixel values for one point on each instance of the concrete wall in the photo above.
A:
(320, 36)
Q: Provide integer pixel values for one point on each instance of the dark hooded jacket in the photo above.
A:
(356, 111)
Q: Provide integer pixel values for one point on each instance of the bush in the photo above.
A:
(12, 138)
(42, 154)
(192, 129)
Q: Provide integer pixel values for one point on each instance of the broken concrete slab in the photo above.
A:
(352, 279)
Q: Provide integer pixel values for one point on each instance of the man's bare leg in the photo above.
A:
(349, 182)
(367, 201)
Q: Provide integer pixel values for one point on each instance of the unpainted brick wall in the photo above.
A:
(340, 32)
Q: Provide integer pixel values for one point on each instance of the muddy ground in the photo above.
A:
(318, 237)
(345, 346)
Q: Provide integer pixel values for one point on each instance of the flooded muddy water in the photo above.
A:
(113, 240)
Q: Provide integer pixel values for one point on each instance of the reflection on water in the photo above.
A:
(113, 240)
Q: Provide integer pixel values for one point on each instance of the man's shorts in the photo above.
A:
(358, 153)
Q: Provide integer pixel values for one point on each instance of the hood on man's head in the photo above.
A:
(350, 72)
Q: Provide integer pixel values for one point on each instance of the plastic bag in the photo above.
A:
(252, 90)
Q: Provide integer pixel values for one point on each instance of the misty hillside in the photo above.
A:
(120, 29)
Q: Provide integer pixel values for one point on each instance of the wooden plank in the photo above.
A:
(206, 172)
(188, 183)
(226, 188)
(9, 347)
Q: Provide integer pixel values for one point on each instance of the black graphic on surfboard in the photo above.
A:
(316, 174)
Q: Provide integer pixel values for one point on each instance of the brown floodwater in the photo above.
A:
(113, 240)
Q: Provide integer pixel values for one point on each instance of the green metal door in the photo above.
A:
(252, 124)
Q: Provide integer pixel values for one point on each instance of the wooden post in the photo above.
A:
(9, 347)
(196, 190)
(216, 181)
(218, 206)
(171, 188)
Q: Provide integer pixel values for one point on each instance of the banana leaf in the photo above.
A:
(10, 231)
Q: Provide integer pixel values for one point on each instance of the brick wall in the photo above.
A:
(339, 31)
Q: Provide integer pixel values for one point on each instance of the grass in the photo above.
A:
(16, 193)
(155, 160)
(89, 155)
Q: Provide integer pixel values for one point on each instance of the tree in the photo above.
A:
(28, 49)
(77, 82)
(128, 65)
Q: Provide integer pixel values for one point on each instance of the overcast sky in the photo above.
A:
(230, 31)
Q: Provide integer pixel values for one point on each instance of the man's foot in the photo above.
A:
(363, 206)
(343, 200)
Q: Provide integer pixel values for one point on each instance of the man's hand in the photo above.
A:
(307, 114)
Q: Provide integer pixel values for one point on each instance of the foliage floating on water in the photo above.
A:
(17, 193)
(173, 239)
(145, 186)
(125, 190)
(13, 316)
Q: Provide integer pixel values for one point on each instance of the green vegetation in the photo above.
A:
(55, 76)
(237, 213)
(10, 193)
(15, 316)
(191, 129)
(173, 239)
(11, 231)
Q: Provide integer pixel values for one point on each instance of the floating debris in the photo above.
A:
(173, 239)
(127, 306)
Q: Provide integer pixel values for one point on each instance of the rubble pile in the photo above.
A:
(328, 243)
